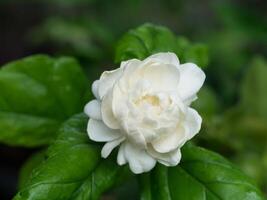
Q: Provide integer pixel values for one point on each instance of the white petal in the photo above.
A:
(107, 112)
(129, 73)
(134, 134)
(107, 81)
(166, 58)
(95, 87)
(189, 100)
(192, 123)
(170, 141)
(139, 160)
(162, 77)
(137, 138)
(99, 132)
(169, 159)
(119, 103)
(148, 133)
(109, 146)
(191, 80)
(121, 160)
(132, 63)
(93, 110)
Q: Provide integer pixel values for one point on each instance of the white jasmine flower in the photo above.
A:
(144, 108)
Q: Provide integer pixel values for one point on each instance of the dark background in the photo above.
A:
(235, 32)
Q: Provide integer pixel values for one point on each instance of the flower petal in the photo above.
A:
(93, 109)
(130, 64)
(137, 138)
(192, 123)
(95, 87)
(189, 100)
(107, 81)
(121, 160)
(99, 132)
(191, 80)
(109, 146)
(129, 72)
(170, 141)
(162, 77)
(139, 160)
(169, 159)
(161, 70)
(119, 103)
(107, 112)
(166, 58)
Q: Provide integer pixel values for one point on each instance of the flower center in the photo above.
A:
(152, 100)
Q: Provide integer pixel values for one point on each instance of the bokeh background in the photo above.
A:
(234, 33)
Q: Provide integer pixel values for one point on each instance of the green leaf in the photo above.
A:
(27, 168)
(201, 175)
(144, 41)
(73, 168)
(253, 89)
(198, 54)
(149, 39)
(37, 94)
(253, 164)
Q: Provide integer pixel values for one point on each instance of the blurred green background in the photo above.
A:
(233, 33)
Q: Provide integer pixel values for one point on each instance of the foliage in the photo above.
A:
(72, 169)
(37, 94)
(148, 39)
(201, 175)
(33, 105)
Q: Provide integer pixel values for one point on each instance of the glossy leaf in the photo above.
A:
(27, 168)
(198, 54)
(149, 39)
(202, 175)
(144, 41)
(37, 94)
(73, 168)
